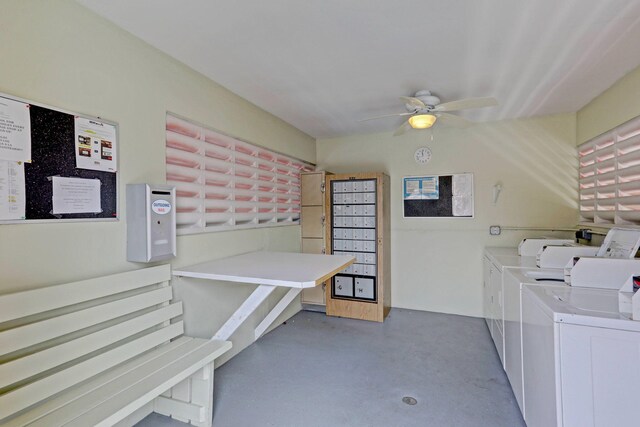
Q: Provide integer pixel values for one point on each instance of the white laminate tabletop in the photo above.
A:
(288, 269)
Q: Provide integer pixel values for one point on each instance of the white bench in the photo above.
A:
(103, 351)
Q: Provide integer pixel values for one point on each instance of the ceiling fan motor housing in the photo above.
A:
(426, 97)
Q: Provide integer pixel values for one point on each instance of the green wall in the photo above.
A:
(61, 54)
(436, 263)
(616, 105)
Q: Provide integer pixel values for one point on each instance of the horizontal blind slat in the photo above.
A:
(223, 182)
(628, 129)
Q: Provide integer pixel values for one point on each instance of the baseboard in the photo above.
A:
(315, 307)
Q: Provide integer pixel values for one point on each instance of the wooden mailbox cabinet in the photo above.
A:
(312, 220)
(358, 224)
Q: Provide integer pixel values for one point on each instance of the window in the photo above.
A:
(223, 183)
(610, 176)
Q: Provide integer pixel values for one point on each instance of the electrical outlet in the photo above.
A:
(495, 230)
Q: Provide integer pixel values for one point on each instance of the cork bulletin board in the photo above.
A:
(56, 165)
(438, 196)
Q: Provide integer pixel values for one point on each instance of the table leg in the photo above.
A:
(243, 312)
(277, 310)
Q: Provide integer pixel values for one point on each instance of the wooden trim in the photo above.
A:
(314, 295)
(385, 264)
(354, 309)
(312, 223)
(311, 196)
(334, 272)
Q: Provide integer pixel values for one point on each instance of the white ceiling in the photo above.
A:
(323, 65)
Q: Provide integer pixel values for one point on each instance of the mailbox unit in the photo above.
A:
(358, 213)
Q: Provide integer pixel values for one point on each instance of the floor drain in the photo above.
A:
(409, 400)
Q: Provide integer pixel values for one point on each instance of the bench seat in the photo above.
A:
(103, 355)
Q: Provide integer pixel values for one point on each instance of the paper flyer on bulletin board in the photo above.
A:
(15, 130)
(15, 149)
(462, 195)
(421, 188)
(95, 145)
(75, 195)
(12, 191)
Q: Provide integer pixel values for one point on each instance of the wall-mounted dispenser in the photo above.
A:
(151, 222)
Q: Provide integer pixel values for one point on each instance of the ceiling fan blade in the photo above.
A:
(402, 129)
(386, 115)
(414, 102)
(465, 104)
(453, 120)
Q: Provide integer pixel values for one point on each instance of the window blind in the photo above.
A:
(609, 176)
(224, 183)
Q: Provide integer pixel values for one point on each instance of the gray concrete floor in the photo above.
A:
(326, 371)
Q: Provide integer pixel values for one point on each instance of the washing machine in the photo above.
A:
(580, 358)
(514, 281)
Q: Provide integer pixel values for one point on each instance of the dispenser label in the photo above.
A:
(161, 207)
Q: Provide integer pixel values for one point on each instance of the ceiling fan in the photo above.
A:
(424, 109)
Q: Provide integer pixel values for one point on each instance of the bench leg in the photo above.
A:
(190, 401)
(202, 394)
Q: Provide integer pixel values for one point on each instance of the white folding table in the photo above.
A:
(269, 270)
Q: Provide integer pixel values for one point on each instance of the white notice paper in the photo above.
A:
(95, 145)
(76, 195)
(462, 200)
(462, 184)
(15, 131)
(12, 199)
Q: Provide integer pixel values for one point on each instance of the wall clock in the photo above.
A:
(422, 155)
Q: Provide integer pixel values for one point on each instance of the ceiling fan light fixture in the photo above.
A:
(422, 121)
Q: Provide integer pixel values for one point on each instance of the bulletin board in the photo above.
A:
(55, 165)
(438, 196)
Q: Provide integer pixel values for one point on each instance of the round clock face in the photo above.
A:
(422, 155)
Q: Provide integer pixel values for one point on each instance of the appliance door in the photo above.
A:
(512, 337)
(599, 373)
(538, 363)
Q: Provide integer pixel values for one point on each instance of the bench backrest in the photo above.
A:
(55, 337)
